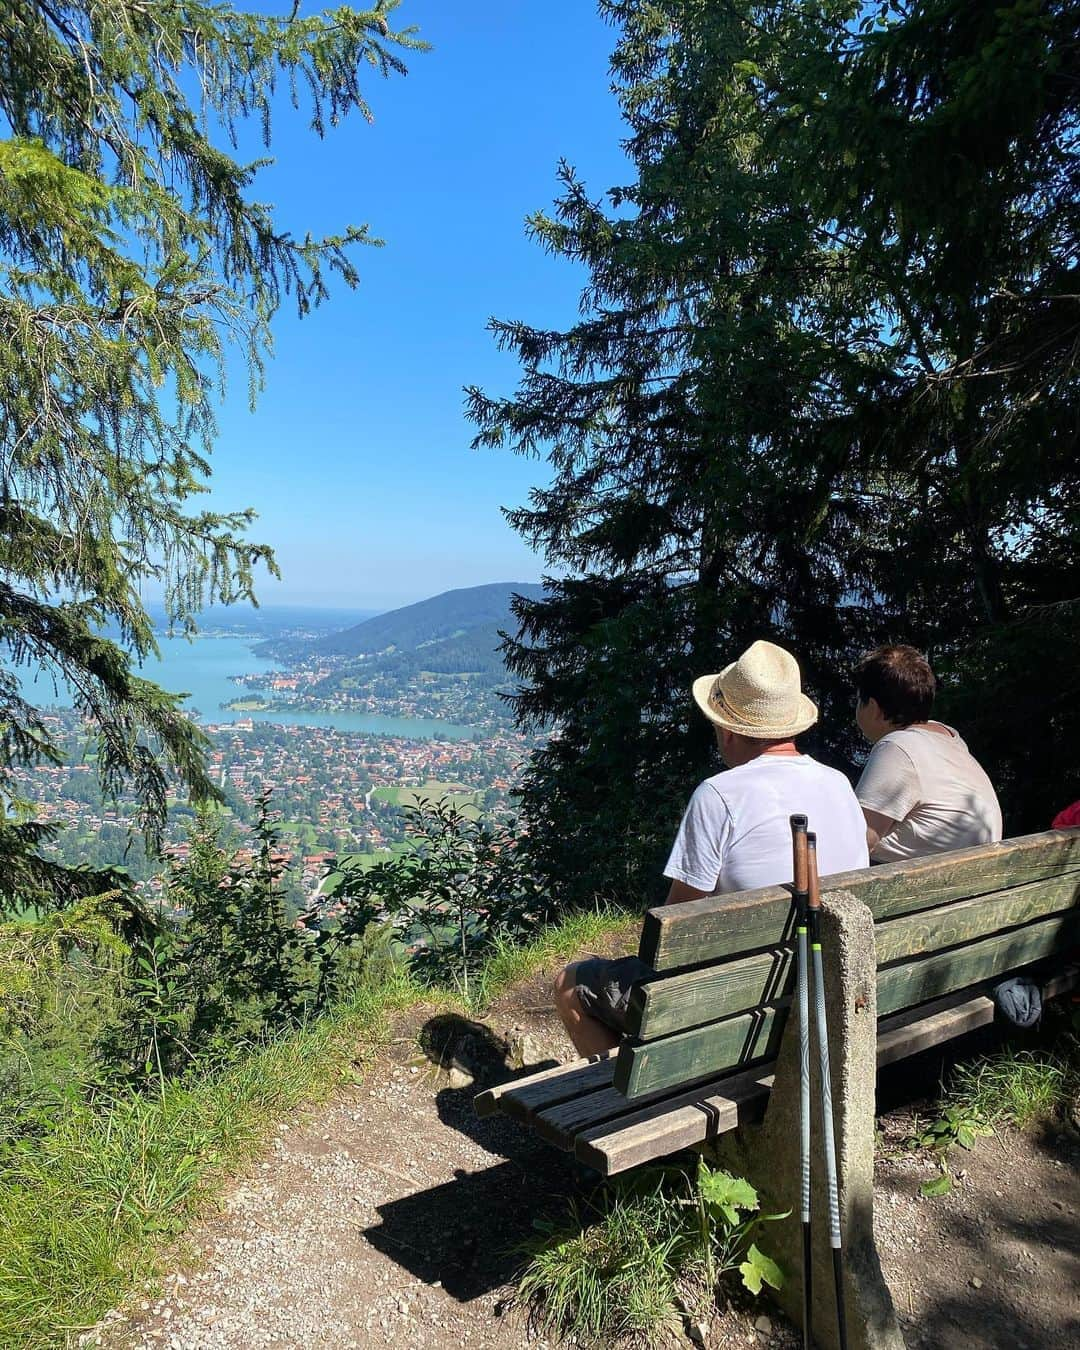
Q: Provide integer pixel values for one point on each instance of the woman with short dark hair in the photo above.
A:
(922, 791)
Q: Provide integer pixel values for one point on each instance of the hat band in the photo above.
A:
(720, 702)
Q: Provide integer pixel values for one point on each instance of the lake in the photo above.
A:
(201, 670)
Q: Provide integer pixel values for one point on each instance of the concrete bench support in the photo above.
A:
(768, 1154)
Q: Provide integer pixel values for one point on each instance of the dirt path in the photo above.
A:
(393, 1215)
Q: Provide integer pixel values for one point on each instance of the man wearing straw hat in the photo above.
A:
(735, 833)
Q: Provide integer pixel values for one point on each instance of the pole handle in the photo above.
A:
(800, 867)
(813, 888)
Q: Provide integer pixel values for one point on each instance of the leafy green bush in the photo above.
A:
(233, 968)
(460, 887)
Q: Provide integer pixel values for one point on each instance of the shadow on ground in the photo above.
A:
(470, 1233)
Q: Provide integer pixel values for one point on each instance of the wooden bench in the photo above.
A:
(707, 1026)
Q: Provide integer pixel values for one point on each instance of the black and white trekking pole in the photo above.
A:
(801, 891)
(814, 925)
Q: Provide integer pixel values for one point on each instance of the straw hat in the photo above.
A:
(759, 695)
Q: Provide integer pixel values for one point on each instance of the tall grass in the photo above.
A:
(84, 1209)
(1023, 1087)
(613, 1271)
(574, 935)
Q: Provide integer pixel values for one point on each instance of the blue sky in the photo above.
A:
(357, 457)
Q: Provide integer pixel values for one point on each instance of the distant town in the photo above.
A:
(333, 793)
(337, 684)
(337, 796)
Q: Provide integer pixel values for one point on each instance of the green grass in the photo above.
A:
(465, 802)
(615, 1269)
(573, 936)
(85, 1211)
(1022, 1087)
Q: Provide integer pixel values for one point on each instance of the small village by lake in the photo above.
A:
(210, 672)
(338, 776)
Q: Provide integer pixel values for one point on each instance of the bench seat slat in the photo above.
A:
(488, 1102)
(719, 926)
(683, 1121)
(523, 1102)
(560, 1124)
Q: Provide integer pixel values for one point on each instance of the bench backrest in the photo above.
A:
(725, 967)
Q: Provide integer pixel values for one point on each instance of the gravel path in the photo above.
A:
(391, 1214)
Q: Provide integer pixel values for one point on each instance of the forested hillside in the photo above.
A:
(453, 614)
(455, 633)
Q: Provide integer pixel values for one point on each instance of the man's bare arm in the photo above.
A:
(877, 827)
(680, 891)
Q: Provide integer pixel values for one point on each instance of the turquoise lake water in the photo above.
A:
(201, 669)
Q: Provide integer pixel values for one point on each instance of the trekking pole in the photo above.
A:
(814, 925)
(801, 891)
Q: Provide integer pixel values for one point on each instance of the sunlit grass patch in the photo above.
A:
(85, 1208)
(1023, 1087)
(612, 1271)
(511, 962)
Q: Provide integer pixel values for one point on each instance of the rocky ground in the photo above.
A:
(393, 1215)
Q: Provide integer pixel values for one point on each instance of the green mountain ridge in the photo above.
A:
(443, 618)
(455, 633)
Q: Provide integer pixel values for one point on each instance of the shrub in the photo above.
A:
(461, 886)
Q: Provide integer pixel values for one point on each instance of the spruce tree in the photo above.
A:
(946, 168)
(134, 255)
(767, 422)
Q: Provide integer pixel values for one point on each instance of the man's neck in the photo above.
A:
(784, 748)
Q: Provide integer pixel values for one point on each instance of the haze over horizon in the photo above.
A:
(357, 457)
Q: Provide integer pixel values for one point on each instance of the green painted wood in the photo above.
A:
(691, 998)
(687, 1000)
(966, 920)
(679, 1060)
(720, 926)
(913, 982)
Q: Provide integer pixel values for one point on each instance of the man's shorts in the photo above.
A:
(604, 988)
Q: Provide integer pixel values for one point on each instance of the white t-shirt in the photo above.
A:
(736, 833)
(935, 790)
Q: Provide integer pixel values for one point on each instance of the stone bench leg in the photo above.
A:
(768, 1154)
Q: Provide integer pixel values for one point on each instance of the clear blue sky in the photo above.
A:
(357, 457)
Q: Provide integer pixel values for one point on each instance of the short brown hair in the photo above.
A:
(901, 680)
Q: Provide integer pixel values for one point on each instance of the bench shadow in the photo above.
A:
(451, 1041)
(470, 1233)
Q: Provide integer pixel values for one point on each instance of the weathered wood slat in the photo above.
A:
(689, 999)
(911, 983)
(695, 1117)
(692, 998)
(965, 920)
(684, 1121)
(559, 1125)
(524, 1100)
(488, 1102)
(715, 1047)
(648, 1066)
(718, 926)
